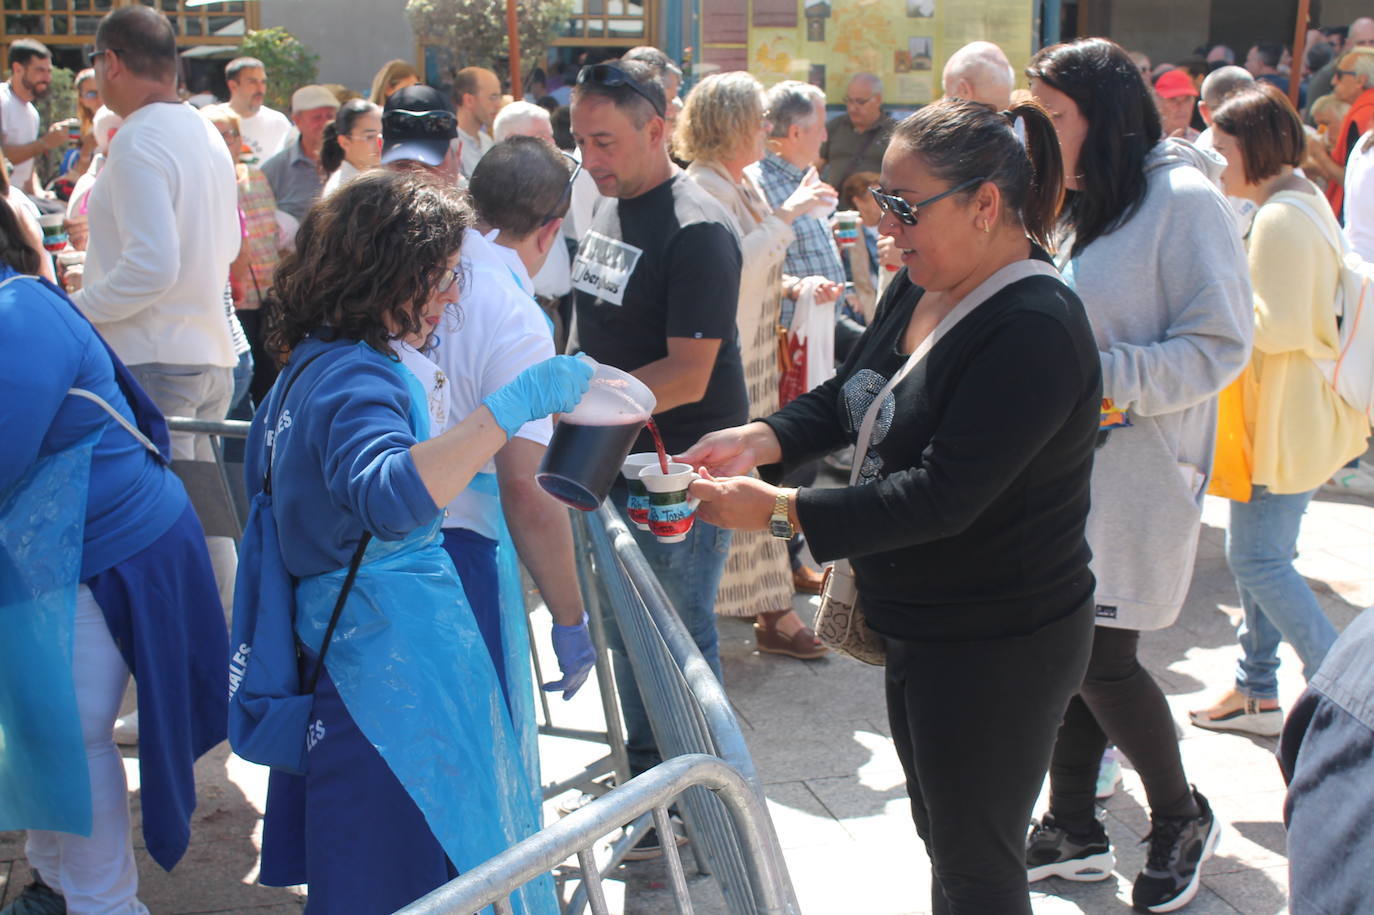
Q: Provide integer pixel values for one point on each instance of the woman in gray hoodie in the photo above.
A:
(1150, 246)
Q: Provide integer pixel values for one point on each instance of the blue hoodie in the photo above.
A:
(46, 347)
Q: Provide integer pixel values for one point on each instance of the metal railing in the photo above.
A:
(687, 706)
(493, 881)
(216, 491)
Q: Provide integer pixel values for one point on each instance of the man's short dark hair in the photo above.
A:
(239, 64)
(1271, 52)
(26, 49)
(143, 39)
(635, 106)
(541, 173)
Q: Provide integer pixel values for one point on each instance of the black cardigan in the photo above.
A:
(968, 520)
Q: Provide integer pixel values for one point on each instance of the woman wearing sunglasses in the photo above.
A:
(391, 801)
(87, 104)
(1150, 245)
(975, 391)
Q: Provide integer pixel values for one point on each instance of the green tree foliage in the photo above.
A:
(289, 64)
(474, 31)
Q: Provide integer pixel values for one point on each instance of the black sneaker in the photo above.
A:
(37, 899)
(1173, 867)
(1052, 851)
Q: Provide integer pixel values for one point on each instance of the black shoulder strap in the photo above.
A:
(353, 564)
(272, 429)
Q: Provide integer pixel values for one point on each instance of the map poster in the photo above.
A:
(905, 42)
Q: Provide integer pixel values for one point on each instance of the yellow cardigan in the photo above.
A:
(1300, 430)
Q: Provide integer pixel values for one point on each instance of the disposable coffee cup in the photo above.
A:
(638, 505)
(590, 444)
(671, 511)
(69, 259)
(847, 227)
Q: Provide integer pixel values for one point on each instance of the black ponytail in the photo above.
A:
(331, 151)
(1045, 198)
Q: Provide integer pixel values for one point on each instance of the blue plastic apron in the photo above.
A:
(515, 635)
(415, 675)
(44, 782)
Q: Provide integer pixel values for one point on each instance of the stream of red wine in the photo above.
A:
(658, 443)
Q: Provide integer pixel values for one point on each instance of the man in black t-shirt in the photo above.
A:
(657, 283)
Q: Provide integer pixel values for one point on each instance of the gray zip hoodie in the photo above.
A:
(1168, 295)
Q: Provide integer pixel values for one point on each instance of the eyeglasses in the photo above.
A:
(612, 77)
(91, 52)
(857, 102)
(448, 280)
(416, 125)
(1338, 73)
(231, 132)
(906, 213)
(560, 208)
(367, 136)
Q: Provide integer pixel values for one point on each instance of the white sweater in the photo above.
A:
(164, 228)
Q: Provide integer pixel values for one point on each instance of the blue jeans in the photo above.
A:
(690, 573)
(1261, 542)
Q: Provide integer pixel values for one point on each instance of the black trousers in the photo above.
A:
(1121, 703)
(974, 724)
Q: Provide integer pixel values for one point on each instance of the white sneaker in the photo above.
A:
(126, 730)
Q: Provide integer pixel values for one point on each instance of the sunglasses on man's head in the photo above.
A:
(440, 125)
(907, 213)
(612, 77)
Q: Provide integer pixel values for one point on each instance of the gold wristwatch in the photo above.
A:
(779, 525)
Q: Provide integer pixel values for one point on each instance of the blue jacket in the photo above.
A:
(46, 347)
(342, 461)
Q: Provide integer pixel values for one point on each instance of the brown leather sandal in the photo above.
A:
(801, 644)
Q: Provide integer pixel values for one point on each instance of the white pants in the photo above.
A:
(95, 874)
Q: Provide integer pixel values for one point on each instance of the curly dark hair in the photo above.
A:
(378, 246)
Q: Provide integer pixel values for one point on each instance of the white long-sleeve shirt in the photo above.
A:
(164, 228)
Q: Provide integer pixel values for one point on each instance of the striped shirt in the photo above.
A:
(814, 252)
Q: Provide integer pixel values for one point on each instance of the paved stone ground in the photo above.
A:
(820, 740)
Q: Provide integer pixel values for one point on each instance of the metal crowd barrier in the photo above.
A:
(492, 882)
(215, 487)
(687, 707)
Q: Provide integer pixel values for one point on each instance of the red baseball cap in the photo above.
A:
(1175, 83)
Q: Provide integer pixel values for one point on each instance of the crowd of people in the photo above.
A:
(1037, 326)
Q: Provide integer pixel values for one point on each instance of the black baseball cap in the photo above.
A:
(418, 123)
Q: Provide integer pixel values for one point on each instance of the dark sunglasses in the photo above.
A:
(612, 77)
(90, 52)
(560, 208)
(906, 213)
(415, 125)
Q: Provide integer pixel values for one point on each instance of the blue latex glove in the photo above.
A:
(573, 646)
(552, 386)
